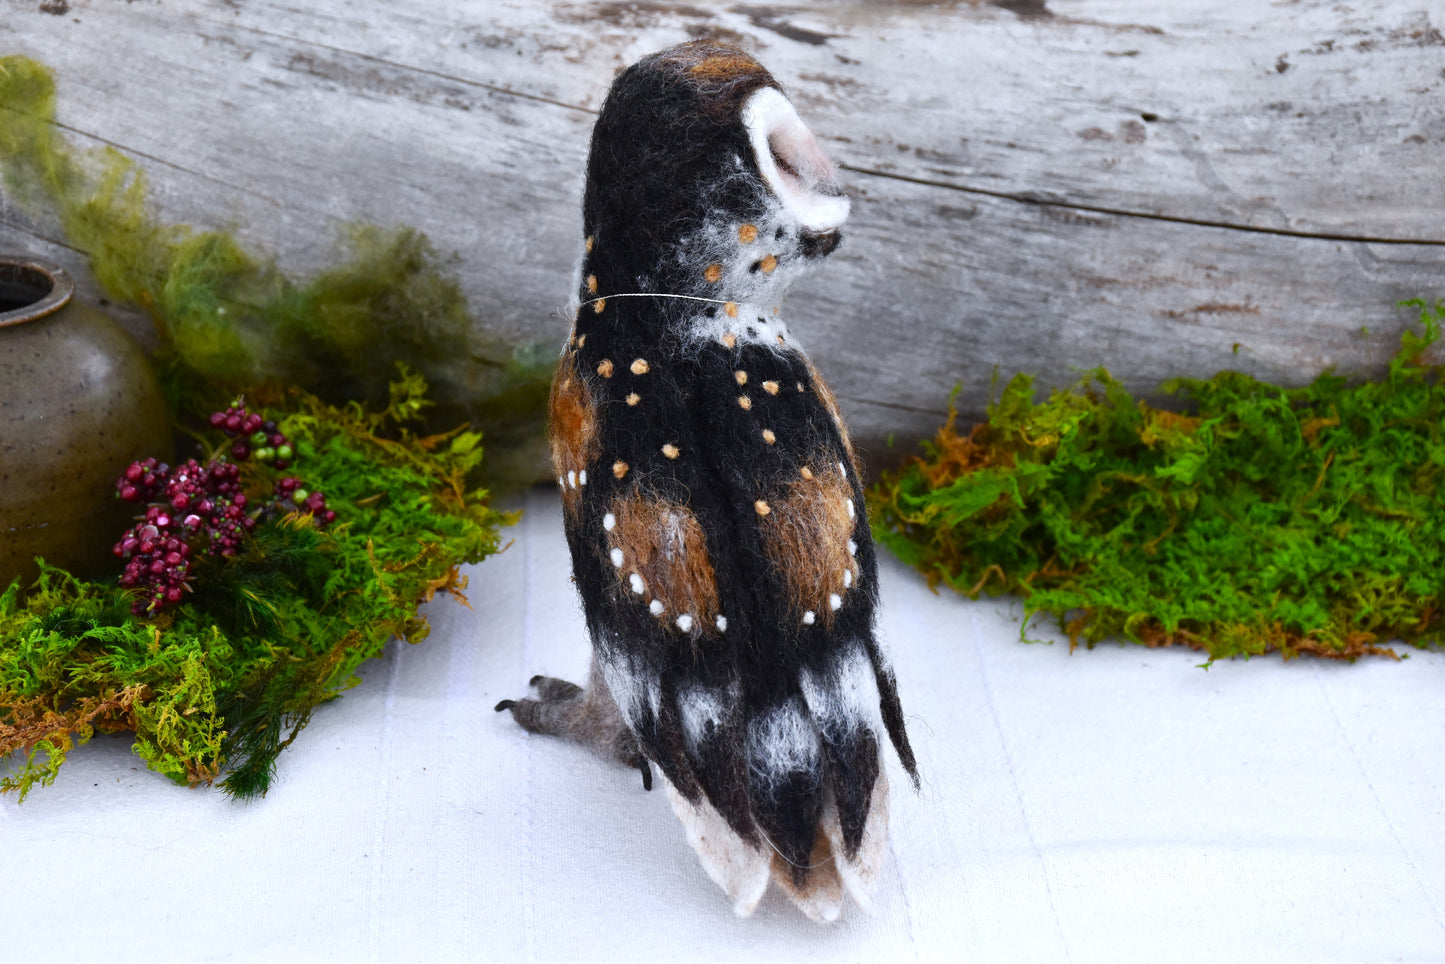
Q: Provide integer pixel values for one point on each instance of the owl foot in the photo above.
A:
(587, 716)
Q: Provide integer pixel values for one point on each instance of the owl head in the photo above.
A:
(702, 180)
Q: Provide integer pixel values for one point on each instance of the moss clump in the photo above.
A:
(222, 683)
(1308, 520)
(230, 320)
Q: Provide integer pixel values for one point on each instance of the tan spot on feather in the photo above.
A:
(589, 245)
(744, 402)
(572, 428)
(633, 398)
(761, 507)
(768, 436)
(591, 284)
(639, 366)
(713, 273)
(770, 387)
(731, 308)
(604, 368)
(671, 451)
(740, 377)
(598, 305)
(807, 473)
(806, 539)
(748, 233)
(665, 544)
(581, 340)
(730, 340)
(768, 264)
(619, 469)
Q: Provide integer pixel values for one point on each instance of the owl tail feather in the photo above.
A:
(743, 870)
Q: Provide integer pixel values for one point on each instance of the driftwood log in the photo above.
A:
(1040, 185)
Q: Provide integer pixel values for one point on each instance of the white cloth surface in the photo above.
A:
(1119, 803)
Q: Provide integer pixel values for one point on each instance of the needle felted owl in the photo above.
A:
(713, 506)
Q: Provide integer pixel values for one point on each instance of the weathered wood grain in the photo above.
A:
(1039, 186)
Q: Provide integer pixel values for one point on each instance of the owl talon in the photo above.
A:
(646, 768)
(505, 705)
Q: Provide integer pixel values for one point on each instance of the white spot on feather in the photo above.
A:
(722, 624)
(655, 607)
(835, 602)
(609, 521)
(635, 581)
(617, 558)
(684, 623)
(809, 618)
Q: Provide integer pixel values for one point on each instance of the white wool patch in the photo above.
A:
(699, 706)
(739, 869)
(632, 687)
(755, 324)
(780, 742)
(846, 694)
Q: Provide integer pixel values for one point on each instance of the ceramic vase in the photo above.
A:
(79, 401)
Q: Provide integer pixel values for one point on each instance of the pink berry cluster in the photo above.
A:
(255, 436)
(201, 508)
(289, 490)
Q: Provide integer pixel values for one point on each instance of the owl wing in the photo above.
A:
(715, 518)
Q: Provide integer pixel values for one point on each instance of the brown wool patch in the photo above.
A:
(671, 451)
(731, 309)
(571, 428)
(768, 436)
(713, 273)
(768, 264)
(591, 284)
(664, 543)
(770, 387)
(639, 366)
(730, 340)
(745, 403)
(598, 305)
(726, 66)
(817, 882)
(740, 377)
(604, 368)
(619, 469)
(633, 398)
(805, 537)
(748, 233)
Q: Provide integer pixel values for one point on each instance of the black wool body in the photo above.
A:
(714, 510)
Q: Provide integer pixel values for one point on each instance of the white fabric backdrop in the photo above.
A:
(1115, 804)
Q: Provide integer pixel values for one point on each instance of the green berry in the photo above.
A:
(265, 454)
(284, 453)
(299, 496)
(258, 439)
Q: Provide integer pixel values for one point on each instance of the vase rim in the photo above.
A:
(62, 289)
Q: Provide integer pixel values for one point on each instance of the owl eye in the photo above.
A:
(792, 163)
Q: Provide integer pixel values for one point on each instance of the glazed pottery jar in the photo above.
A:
(79, 401)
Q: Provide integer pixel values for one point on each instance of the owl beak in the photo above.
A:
(820, 244)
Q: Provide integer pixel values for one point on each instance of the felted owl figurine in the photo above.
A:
(713, 505)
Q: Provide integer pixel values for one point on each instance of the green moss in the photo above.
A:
(1259, 519)
(224, 682)
(229, 319)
